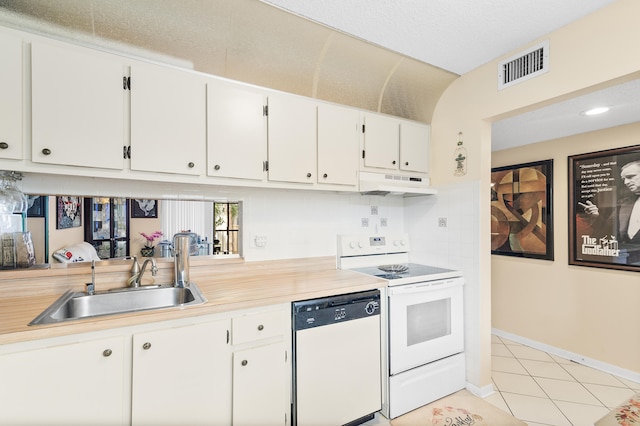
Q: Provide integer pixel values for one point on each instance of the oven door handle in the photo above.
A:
(424, 286)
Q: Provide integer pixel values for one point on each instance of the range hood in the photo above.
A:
(390, 184)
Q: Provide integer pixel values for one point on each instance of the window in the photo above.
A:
(225, 228)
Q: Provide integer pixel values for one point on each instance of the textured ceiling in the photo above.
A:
(456, 35)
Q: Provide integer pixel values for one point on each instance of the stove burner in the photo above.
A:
(394, 269)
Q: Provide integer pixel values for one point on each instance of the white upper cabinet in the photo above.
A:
(394, 144)
(236, 131)
(414, 147)
(168, 120)
(11, 98)
(77, 107)
(381, 142)
(292, 139)
(337, 145)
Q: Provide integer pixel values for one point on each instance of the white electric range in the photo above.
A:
(423, 329)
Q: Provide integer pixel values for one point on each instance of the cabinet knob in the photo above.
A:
(244, 362)
(393, 162)
(260, 327)
(308, 175)
(107, 353)
(146, 346)
(216, 167)
(4, 145)
(46, 151)
(191, 164)
(406, 163)
(325, 175)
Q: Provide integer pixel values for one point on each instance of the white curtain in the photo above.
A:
(187, 216)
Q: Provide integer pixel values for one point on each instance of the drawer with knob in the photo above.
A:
(261, 325)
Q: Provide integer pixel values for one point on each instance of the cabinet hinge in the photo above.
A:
(228, 335)
(265, 110)
(126, 152)
(363, 153)
(265, 166)
(126, 83)
(363, 128)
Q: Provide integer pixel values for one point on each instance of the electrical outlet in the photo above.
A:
(365, 222)
(442, 222)
(374, 210)
(260, 241)
(383, 222)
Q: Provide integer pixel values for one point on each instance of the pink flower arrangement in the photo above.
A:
(151, 238)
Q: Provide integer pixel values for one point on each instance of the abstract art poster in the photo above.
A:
(521, 210)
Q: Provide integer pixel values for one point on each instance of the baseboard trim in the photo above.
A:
(482, 392)
(580, 359)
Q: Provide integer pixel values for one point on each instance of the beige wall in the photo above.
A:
(588, 311)
(586, 55)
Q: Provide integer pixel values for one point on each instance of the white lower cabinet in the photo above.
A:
(260, 386)
(231, 368)
(73, 384)
(261, 367)
(182, 375)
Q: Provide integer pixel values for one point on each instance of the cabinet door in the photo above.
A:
(77, 107)
(236, 131)
(168, 120)
(260, 386)
(337, 145)
(182, 376)
(381, 142)
(11, 99)
(292, 139)
(414, 147)
(76, 384)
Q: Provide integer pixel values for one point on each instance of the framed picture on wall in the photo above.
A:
(69, 212)
(141, 208)
(522, 210)
(36, 205)
(604, 209)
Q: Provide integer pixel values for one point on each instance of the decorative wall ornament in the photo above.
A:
(460, 157)
(604, 209)
(522, 210)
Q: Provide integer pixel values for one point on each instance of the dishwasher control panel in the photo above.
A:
(335, 309)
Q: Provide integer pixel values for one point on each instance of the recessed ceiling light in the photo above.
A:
(595, 111)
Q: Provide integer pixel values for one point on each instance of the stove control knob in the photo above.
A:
(360, 244)
(352, 244)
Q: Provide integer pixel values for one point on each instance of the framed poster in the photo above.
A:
(522, 210)
(69, 212)
(144, 208)
(604, 209)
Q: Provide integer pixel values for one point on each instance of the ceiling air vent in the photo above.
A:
(524, 66)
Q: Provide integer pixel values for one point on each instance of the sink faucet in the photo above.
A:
(136, 277)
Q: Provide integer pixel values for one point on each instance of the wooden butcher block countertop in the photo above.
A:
(228, 285)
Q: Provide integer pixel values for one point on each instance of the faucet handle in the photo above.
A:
(135, 268)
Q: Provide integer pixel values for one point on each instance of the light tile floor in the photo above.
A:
(546, 390)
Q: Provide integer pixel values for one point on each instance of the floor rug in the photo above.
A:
(625, 414)
(458, 409)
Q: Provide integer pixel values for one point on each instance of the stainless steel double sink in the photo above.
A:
(80, 305)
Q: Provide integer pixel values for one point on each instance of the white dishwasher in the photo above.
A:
(336, 359)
